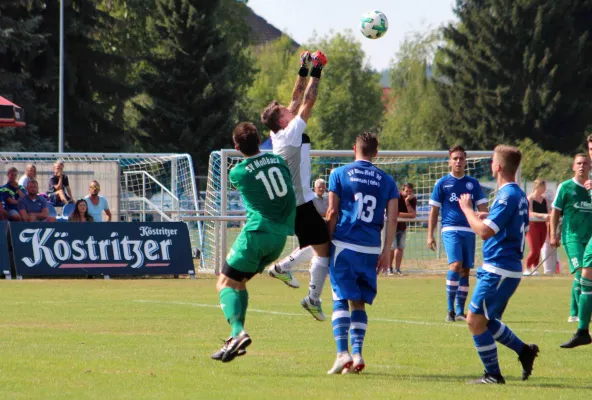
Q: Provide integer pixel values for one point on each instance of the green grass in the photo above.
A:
(151, 339)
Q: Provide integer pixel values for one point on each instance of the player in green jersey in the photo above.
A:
(265, 184)
(582, 335)
(573, 202)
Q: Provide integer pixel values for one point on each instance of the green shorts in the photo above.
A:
(587, 261)
(575, 255)
(252, 251)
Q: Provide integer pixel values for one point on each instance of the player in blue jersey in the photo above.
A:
(457, 236)
(503, 232)
(359, 193)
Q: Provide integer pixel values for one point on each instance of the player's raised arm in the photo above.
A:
(300, 84)
(310, 95)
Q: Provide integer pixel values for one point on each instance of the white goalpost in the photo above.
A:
(223, 214)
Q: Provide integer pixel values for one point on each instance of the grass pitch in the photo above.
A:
(152, 339)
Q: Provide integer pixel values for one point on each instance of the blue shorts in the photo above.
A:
(353, 275)
(492, 294)
(460, 246)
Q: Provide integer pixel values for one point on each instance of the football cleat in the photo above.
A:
(343, 362)
(573, 318)
(242, 341)
(314, 309)
(460, 317)
(526, 358)
(218, 355)
(285, 277)
(357, 367)
(488, 379)
(579, 339)
(451, 317)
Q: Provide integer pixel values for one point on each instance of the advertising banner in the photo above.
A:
(94, 248)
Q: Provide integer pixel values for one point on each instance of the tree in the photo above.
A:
(20, 42)
(92, 88)
(416, 118)
(350, 96)
(194, 78)
(520, 69)
(539, 163)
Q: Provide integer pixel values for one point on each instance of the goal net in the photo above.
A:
(138, 187)
(224, 205)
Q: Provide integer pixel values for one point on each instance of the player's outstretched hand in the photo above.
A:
(465, 202)
(431, 243)
(384, 261)
(305, 59)
(319, 60)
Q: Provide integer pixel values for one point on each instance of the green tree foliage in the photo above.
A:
(20, 42)
(92, 88)
(350, 96)
(539, 163)
(520, 69)
(194, 79)
(416, 118)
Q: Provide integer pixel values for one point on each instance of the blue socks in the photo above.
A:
(461, 295)
(504, 335)
(341, 321)
(359, 324)
(487, 349)
(452, 283)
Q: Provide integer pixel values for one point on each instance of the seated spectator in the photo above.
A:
(11, 193)
(321, 203)
(97, 204)
(30, 173)
(59, 191)
(80, 213)
(32, 207)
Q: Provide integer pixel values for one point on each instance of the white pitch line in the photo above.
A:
(395, 321)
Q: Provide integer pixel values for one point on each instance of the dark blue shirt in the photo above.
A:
(32, 205)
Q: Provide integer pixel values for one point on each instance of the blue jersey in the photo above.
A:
(445, 195)
(364, 191)
(508, 217)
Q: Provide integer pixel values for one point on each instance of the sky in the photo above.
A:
(300, 19)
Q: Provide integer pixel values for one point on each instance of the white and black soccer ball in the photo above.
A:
(373, 24)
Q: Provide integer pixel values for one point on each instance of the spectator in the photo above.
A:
(97, 204)
(320, 202)
(537, 232)
(407, 207)
(32, 207)
(30, 173)
(11, 193)
(59, 186)
(81, 213)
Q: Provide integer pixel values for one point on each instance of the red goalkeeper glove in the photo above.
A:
(319, 60)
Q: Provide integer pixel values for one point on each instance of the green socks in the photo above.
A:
(243, 295)
(230, 301)
(575, 294)
(585, 304)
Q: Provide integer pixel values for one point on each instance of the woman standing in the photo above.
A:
(537, 233)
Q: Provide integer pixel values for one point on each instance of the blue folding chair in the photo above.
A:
(51, 211)
(68, 210)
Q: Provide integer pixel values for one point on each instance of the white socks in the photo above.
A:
(319, 269)
(299, 256)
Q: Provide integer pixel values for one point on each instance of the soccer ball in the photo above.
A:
(373, 24)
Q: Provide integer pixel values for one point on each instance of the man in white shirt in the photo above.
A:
(97, 204)
(321, 201)
(287, 125)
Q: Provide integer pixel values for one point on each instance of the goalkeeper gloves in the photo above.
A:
(305, 61)
(319, 60)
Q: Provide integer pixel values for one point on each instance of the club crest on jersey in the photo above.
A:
(503, 198)
(470, 186)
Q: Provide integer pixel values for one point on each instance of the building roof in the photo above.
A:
(263, 31)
